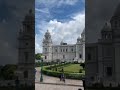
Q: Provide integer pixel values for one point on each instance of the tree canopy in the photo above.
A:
(38, 56)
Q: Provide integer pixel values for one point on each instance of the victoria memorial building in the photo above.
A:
(63, 51)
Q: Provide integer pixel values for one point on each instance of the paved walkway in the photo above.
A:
(55, 87)
(48, 79)
(54, 83)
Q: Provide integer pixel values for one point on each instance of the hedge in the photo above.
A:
(68, 75)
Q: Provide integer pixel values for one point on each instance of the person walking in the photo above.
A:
(64, 78)
(60, 76)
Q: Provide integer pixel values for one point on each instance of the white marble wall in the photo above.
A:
(68, 52)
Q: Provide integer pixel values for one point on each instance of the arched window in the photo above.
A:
(106, 36)
(45, 49)
(63, 56)
(25, 74)
(26, 44)
(45, 57)
(109, 71)
(26, 56)
(72, 49)
(55, 50)
(89, 56)
(116, 23)
(66, 50)
(80, 56)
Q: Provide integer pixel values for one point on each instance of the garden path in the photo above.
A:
(55, 80)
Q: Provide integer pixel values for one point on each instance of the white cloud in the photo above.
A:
(38, 43)
(68, 2)
(43, 10)
(66, 31)
(52, 3)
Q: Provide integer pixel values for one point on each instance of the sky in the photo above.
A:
(97, 13)
(12, 13)
(64, 19)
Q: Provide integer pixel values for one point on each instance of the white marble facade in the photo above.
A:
(103, 57)
(26, 50)
(63, 52)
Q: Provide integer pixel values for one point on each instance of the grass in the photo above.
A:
(71, 71)
(73, 68)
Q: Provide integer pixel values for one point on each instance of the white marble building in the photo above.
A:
(63, 52)
(103, 57)
(26, 50)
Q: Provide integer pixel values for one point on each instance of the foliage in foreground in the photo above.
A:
(7, 72)
(47, 70)
(38, 56)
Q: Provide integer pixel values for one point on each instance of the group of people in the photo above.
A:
(62, 77)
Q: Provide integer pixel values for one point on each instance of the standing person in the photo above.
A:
(17, 82)
(35, 73)
(83, 83)
(64, 78)
(60, 77)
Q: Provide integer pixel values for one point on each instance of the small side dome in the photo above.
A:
(83, 32)
(47, 33)
(29, 17)
(61, 43)
(78, 38)
(107, 27)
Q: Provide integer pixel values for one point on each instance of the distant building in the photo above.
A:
(63, 52)
(26, 50)
(103, 57)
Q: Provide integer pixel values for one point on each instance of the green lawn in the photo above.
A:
(72, 68)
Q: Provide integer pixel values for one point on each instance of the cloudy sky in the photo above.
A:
(65, 20)
(11, 15)
(97, 13)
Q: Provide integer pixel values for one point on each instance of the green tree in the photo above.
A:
(83, 65)
(8, 71)
(38, 56)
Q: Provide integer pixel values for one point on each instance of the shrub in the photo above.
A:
(83, 65)
(80, 71)
(68, 75)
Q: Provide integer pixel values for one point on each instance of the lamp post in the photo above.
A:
(41, 77)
